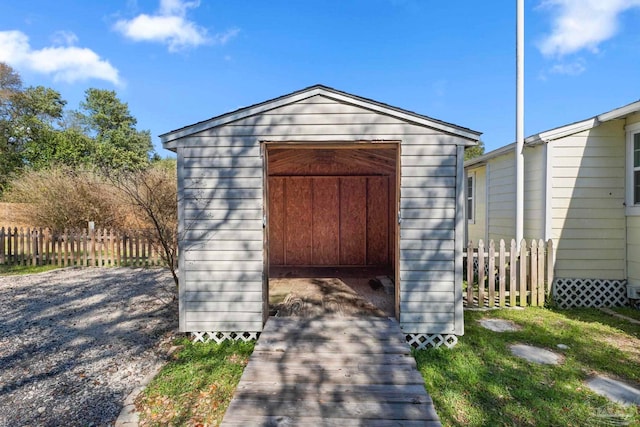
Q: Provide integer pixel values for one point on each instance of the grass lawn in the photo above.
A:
(629, 312)
(8, 270)
(479, 382)
(196, 387)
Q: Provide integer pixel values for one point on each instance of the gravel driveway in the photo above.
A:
(75, 342)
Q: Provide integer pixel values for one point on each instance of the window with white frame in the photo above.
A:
(470, 199)
(636, 168)
(633, 166)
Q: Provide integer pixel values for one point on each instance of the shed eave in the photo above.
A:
(168, 139)
(409, 116)
(242, 113)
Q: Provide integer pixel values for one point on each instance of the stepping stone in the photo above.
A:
(499, 325)
(616, 391)
(535, 354)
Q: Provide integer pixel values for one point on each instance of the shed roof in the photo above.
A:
(560, 132)
(169, 139)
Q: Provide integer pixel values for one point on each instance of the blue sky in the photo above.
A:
(178, 62)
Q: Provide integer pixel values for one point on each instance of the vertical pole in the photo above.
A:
(520, 123)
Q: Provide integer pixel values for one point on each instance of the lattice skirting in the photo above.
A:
(424, 341)
(219, 337)
(569, 293)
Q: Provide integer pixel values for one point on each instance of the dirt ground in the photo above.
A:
(74, 342)
(339, 292)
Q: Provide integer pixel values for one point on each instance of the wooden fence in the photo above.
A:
(38, 246)
(495, 276)
(508, 276)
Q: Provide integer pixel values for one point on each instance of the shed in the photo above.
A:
(319, 178)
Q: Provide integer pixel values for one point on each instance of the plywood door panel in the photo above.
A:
(377, 220)
(326, 221)
(276, 220)
(298, 208)
(353, 220)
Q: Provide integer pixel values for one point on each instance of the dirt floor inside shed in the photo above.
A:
(311, 292)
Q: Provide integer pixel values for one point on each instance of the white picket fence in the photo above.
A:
(508, 276)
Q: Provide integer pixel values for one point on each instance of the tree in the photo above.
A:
(10, 85)
(119, 145)
(37, 133)
(39, 111)
(28, 119)
(65, 147)
(474, 151)
(152, 192)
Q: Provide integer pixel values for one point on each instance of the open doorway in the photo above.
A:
(331, 229)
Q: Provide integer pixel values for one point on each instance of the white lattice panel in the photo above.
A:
(219, 337)
(424, 341)
(569, 293)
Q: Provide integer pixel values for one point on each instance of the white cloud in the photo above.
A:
(64, 38)
(64, 63)
(171, 27)
(172, 30)
(223, 38)
(573, 68)
(582, 24)
(177, 7)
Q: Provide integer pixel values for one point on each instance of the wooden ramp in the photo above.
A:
(331, 372)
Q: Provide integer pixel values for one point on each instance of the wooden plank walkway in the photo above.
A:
(331, 372)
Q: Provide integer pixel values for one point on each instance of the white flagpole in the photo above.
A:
(520, 123)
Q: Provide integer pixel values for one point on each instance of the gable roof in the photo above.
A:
(169, 139)
(561, 132)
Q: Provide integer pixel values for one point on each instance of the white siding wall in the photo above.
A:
(223, 244)
(502, 197)
(534, 184)
(588, 215)
(477, 229)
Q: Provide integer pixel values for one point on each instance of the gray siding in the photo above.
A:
(427, 238)
(221, 255)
